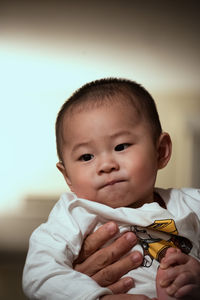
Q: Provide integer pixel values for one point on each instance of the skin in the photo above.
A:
(178, 276)
(110, 255)
(115, 266)
(111, 158)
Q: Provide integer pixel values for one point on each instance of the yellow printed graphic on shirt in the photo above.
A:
(156, 238)
(168, 226)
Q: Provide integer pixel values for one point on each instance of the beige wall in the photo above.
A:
(180, 116)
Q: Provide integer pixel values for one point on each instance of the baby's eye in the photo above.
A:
(86, 157)
(122, 147)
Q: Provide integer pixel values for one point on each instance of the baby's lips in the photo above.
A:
(112, 182)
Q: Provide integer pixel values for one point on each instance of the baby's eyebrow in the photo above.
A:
(120, 133)
(80, 145)
(90, 142)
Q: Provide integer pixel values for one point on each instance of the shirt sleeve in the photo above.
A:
(48, 272)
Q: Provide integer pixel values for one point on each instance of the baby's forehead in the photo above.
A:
(122, 112)
(89, 104)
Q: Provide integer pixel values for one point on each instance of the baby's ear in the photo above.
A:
(164, 148)
(62, 169)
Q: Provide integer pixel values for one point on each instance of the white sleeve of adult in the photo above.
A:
(48, 272)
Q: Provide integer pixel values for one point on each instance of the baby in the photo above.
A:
(110, 146)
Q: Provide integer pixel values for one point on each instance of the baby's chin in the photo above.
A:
(115, 201)
(112, 197)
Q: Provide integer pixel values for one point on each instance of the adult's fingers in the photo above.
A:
(112, 273)
(96, 240)
(122, 286)
(106, 256)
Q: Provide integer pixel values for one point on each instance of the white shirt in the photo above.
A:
(54, 245)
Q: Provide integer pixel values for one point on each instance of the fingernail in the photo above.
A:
(171, 290)
(163, 265)
(129, 282)
(131, 238)
(136, 257)
(163, 283)
(111, 227)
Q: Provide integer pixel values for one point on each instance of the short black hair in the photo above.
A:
(96, 92)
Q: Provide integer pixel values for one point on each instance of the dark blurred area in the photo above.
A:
(15, 231)
(11, 267)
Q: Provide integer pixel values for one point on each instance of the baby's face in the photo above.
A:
(109, 156)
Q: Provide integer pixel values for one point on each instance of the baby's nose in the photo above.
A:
(107, 165)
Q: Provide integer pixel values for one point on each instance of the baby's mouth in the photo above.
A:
(112, 182)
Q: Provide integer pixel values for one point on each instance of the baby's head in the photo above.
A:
(110, 143)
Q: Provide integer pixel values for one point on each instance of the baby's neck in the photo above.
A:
(159, 200)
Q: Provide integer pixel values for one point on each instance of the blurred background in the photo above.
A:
(47, 51)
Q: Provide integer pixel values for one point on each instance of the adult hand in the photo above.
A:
(105, 265)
